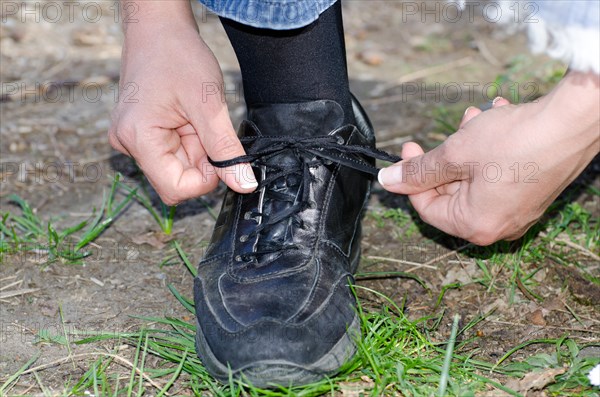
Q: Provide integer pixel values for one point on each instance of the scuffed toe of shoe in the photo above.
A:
(303, 348)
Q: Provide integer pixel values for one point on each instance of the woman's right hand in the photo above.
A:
(172, 115)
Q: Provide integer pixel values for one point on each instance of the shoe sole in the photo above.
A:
(279, 372)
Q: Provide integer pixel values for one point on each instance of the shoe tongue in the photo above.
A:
(302, 119)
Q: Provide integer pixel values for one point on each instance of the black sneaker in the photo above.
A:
(273, 297)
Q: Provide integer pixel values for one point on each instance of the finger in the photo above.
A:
(470, 113)
(221, 143)
(436, 210)
(417, 173)
(191, 152)
(392, 176)
(174, 180)
(499, 101)
(113, 140)
(410, 150)
(239, 177)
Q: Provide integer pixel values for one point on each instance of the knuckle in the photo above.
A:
(484, 236)
(482, 240)
(170, 198)
(170, 201)
(451, 149)
(124, 133)
(114, 141)
(424, 215)
(476, 231)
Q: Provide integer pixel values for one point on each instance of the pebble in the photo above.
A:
(24, 129)
(371, 57)
(102, 125)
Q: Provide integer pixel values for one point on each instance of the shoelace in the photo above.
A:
(310, 152)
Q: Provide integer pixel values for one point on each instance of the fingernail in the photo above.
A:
(496, 100)
(389, 176)
(248, 180)
(469, 108)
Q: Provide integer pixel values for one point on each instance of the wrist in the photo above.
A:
(573, 107)
(150, 18)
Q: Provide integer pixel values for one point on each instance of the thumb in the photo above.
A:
(221, 143)
(417, 173)
(226, 146)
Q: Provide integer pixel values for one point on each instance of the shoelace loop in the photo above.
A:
(310, 152)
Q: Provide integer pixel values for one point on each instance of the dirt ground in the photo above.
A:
(59, 81)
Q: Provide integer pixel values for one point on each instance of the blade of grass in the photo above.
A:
(448, 358)
(185, 259)
(94, 232)
(14, 377)
(187, 303)
(134, 365)
(175, 375)
(62, 322)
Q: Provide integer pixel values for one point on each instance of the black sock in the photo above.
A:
(306, 64)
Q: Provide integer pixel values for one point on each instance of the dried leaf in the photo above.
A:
(156, 240)
(537, 318)
(554, 303)
(539, 380)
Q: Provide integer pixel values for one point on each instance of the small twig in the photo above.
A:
(580, 316)
(395, 141)
(94, 354)
(486, 53)
(11, 285)
(578, 247)
(416, 265)
(18, 292)
(574, 314)
(401, 261)
(547, 326)
(24, 392)
(419, 74)
(439, 258)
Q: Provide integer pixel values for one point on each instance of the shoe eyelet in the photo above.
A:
(243, 238)
(340, 140)
(247, 215)
(238, 258)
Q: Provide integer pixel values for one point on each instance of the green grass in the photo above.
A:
(27, 233)
(520, 82)
(397, 355)
(566, 222)
(165, 218)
